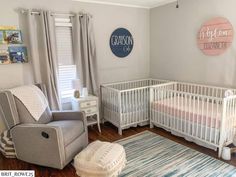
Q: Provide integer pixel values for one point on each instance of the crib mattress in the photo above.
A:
(192, 110)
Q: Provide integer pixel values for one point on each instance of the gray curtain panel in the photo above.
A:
(43, 53)
(84, 49)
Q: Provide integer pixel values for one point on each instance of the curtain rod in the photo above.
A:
(56, 14)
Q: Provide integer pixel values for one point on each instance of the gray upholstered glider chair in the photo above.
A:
(52, 141)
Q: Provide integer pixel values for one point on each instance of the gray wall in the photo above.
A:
(174, 52)
(173, 49)
(106, 19)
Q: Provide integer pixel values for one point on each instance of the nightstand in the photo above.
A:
(89, 105)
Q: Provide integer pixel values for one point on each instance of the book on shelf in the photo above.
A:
(4, 57)
(18, 54)
(13, 37)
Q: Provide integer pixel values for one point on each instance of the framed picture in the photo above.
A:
(18, 54)
(4, 57)
(13, 37)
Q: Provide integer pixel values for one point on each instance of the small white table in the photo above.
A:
(89, 105)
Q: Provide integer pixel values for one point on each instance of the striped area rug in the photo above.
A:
(150, 155)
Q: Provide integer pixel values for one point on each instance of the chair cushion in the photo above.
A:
(100, 159)
(71, 129)
(26, 117)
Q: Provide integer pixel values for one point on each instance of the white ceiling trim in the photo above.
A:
(112, 3)
(127, 5)
(164, 2)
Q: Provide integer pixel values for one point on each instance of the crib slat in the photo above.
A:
(167, 108)
(146, 104)
(182, 108)
(185, 109)
(206, 121)
(234, 116)
(155, 109)
(198, 111)
(113, 103)
(172, 124)
(160, 107)
(212, 117)
(202, 116)
(130, 107)
(174, 104)
(217, 119)
(189, 115)
(163, 107)
(136, 104)
(193, 116)
(170, 98)
(230, 117)
(231, 114)
(126, 108)
(178, 112)
(140, 105)
(142, 100)
(122, 107)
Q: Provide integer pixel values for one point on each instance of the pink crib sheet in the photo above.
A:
(188, 110)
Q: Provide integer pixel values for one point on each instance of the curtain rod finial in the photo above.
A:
(177, 5)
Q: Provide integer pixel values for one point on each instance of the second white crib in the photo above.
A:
(126, 104)
(200, 113)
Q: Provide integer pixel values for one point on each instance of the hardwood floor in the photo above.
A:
(109, 133)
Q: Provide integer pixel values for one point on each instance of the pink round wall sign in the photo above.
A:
(215, 36)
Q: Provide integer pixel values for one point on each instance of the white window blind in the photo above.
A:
(64, 45)
(67, 69)
(66, 74)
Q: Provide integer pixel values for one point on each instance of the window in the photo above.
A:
(66, 74)
(67, 68)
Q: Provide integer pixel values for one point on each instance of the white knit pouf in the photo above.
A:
(100, 159)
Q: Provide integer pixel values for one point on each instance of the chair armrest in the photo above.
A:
(39, 144)
(69, 115)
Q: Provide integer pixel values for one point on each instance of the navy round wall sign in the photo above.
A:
(121, 42)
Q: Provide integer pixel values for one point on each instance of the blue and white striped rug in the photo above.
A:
(150, 155)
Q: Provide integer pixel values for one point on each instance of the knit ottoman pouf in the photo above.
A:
(100, 159)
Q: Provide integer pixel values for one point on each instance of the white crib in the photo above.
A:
(203, 114)
(126, 104)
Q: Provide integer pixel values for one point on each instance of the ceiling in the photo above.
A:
(131, 3)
